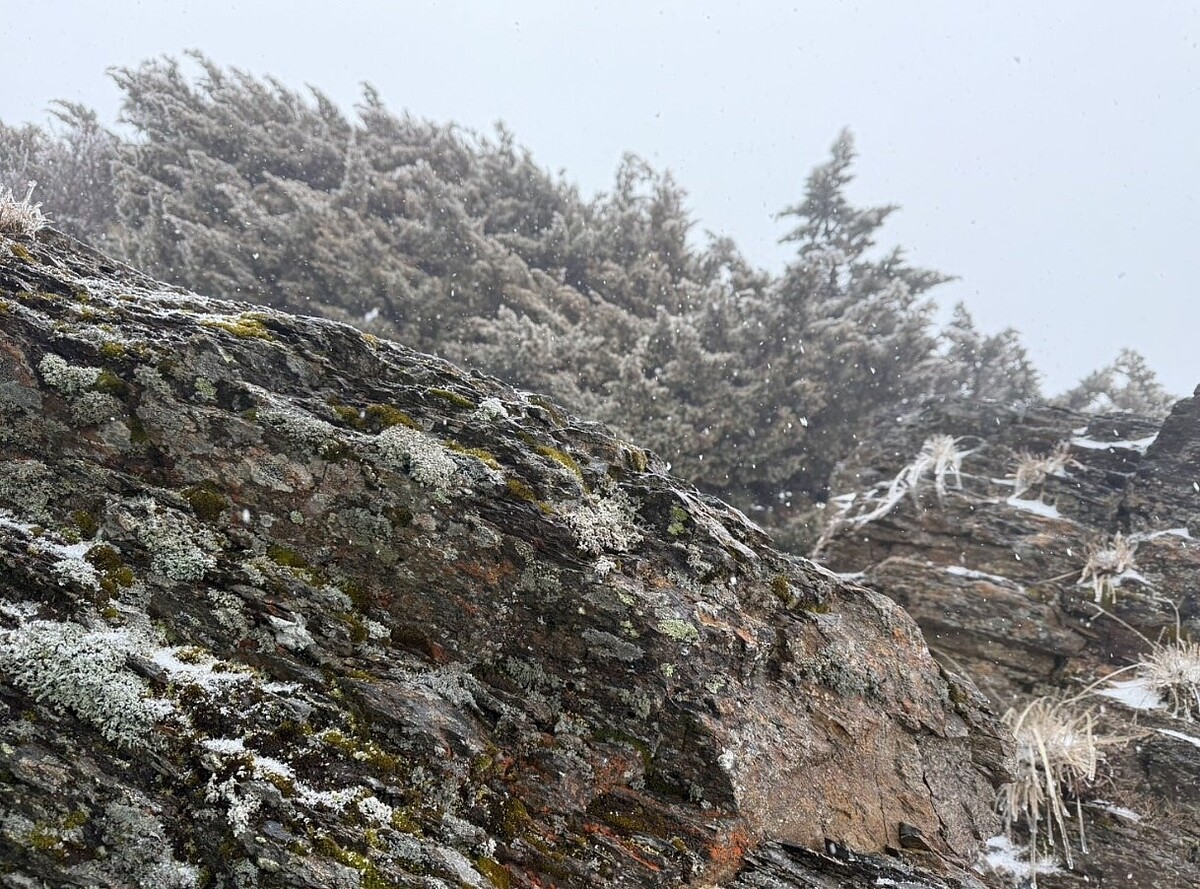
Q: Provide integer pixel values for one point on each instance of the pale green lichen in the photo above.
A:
(151, 380)
(178, 549)
(205, 390)
(678, 524)
(141, 851)
(67, 379)
(298, 426)
(422, 456)
(679, 630)
(93, 408)
(246, 325)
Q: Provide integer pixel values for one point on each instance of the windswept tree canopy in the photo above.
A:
(752, 384)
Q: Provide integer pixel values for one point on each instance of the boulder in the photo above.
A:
(282, 604)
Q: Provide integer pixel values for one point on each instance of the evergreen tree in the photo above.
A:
(1128, 384)
(840, 336)
(459, 244)
(977, 367)
(73, 166)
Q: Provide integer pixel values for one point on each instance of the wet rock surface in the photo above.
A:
(996, 572)
(285, 605)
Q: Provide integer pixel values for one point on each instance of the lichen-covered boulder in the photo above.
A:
(285, 605)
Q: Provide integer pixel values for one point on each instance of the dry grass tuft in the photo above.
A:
(941, 456)
(20, 217)
(1033, 470)
(1173, 671)
(1057, 754)
(1106, 564)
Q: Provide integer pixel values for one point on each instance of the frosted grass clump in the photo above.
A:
(1106, 565)
(1173, 672)
(1032, 470)
(604, 522)
(20, 217)
(83, 671)
(1057, 753)
(940, 456)
(424, 458)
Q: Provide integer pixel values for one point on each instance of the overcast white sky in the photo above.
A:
(1046, 153)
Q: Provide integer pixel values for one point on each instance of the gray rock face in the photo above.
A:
(1008, 580)
(284, 605)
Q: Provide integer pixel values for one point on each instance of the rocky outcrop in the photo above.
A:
(1016, 581)
(282, 604)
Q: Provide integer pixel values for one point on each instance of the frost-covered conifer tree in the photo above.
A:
(976, 366)
(840, 336)
(1128, 384)
(72, 164)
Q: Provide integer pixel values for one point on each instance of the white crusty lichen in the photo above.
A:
(241, 805)
(424, 458)
(291, 634)
(375, 810)
(67, 379)
(83, 671)
(604, 522)
(140, 849)
(178, 548)
(491, 409)
(300, 427)
(74, 570)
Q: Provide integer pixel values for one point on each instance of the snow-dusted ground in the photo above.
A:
(1037, 507)
(1133, 693)
(1004, 857)
(1141, 445)
(960, 571)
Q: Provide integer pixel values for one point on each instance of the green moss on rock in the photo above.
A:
(288, 558)
(453, 398)
(207, 504)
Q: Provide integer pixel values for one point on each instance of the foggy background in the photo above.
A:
(1044, 153)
